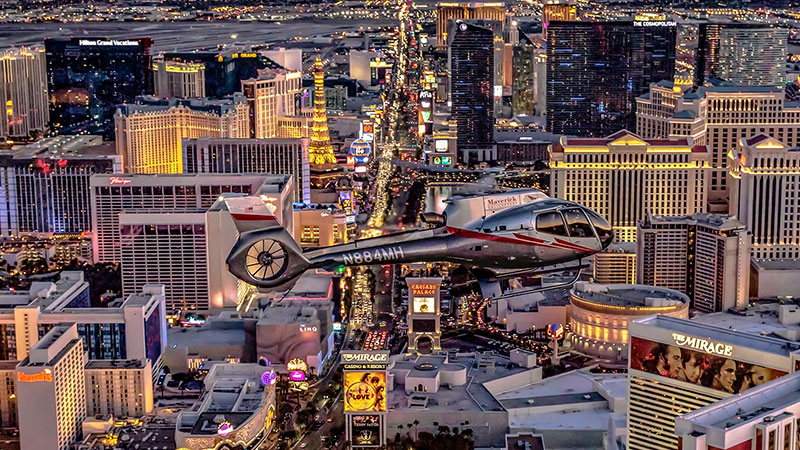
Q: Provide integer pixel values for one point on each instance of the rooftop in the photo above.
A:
(722, 222)
(629, 295)
(625, 137)
(720, 333)
(65, 146)
(470, 397)
(99, 364)
(777, 264)
(762, 319)
(150, 104)
(753, 405)
(581, 395)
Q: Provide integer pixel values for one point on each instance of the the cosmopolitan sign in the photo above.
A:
(654, 23)
(703, 345)
(107, 43)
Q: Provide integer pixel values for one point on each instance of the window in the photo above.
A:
(578, 224)
(551, 223)
(604, 231)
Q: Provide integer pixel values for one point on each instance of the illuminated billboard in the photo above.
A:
(364, 391)
(366, 430)
(424, 305)
(710, 368)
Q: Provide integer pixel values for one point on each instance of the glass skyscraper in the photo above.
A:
(225, 70)
(595, 70)
(88, 77)
(749, 54)
(473, 75)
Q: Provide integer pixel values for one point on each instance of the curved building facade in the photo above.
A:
(600, 313)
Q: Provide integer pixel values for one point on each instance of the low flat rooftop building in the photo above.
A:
(775, 318)
(572, 410)
(450, 391)
(236, 408)
(758, 418)
(775, 278)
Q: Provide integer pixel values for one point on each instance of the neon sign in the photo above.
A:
(296, 364)
(365, 357)
(118, 180)
(224, 429)
(269, 377)
(423, 289)
(703, 345)
(44, 376)
(297, 375)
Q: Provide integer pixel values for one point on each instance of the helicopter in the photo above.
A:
(533, 231)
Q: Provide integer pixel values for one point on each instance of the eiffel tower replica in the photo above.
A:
(320, 152)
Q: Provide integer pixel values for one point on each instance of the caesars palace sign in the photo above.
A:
(703, 345)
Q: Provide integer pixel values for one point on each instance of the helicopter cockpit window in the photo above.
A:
(551, 223)
(578, 224)
(604, 231)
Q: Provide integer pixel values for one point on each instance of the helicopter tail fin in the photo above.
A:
(265, 255)
(252, 213)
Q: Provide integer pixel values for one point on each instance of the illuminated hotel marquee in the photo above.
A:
(424, 289)
(704, 345)
(44, 376)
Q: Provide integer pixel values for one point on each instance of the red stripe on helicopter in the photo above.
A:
(521, 239)
(558, 244)
(575, 246)
(469, 234)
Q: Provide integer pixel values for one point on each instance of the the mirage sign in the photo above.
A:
(364, 360)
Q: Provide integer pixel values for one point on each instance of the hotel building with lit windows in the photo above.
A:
(186, 249)
(149, 131)
(672, 111)
(557, 10)
(705, 256)
(119, 348)
(87, 78)
(50, 386)
(320, 227)
(23, 92)
(275, 93)
(174, 79)
(448, 12)
(718, 116)
(616, 264)
(169, 249)
(134, 328)
(120, 388)
(750, 54)
(173, 193)
(765, 181)
(624, 176)
(285, 156)
(44, 186)
(677, 366)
